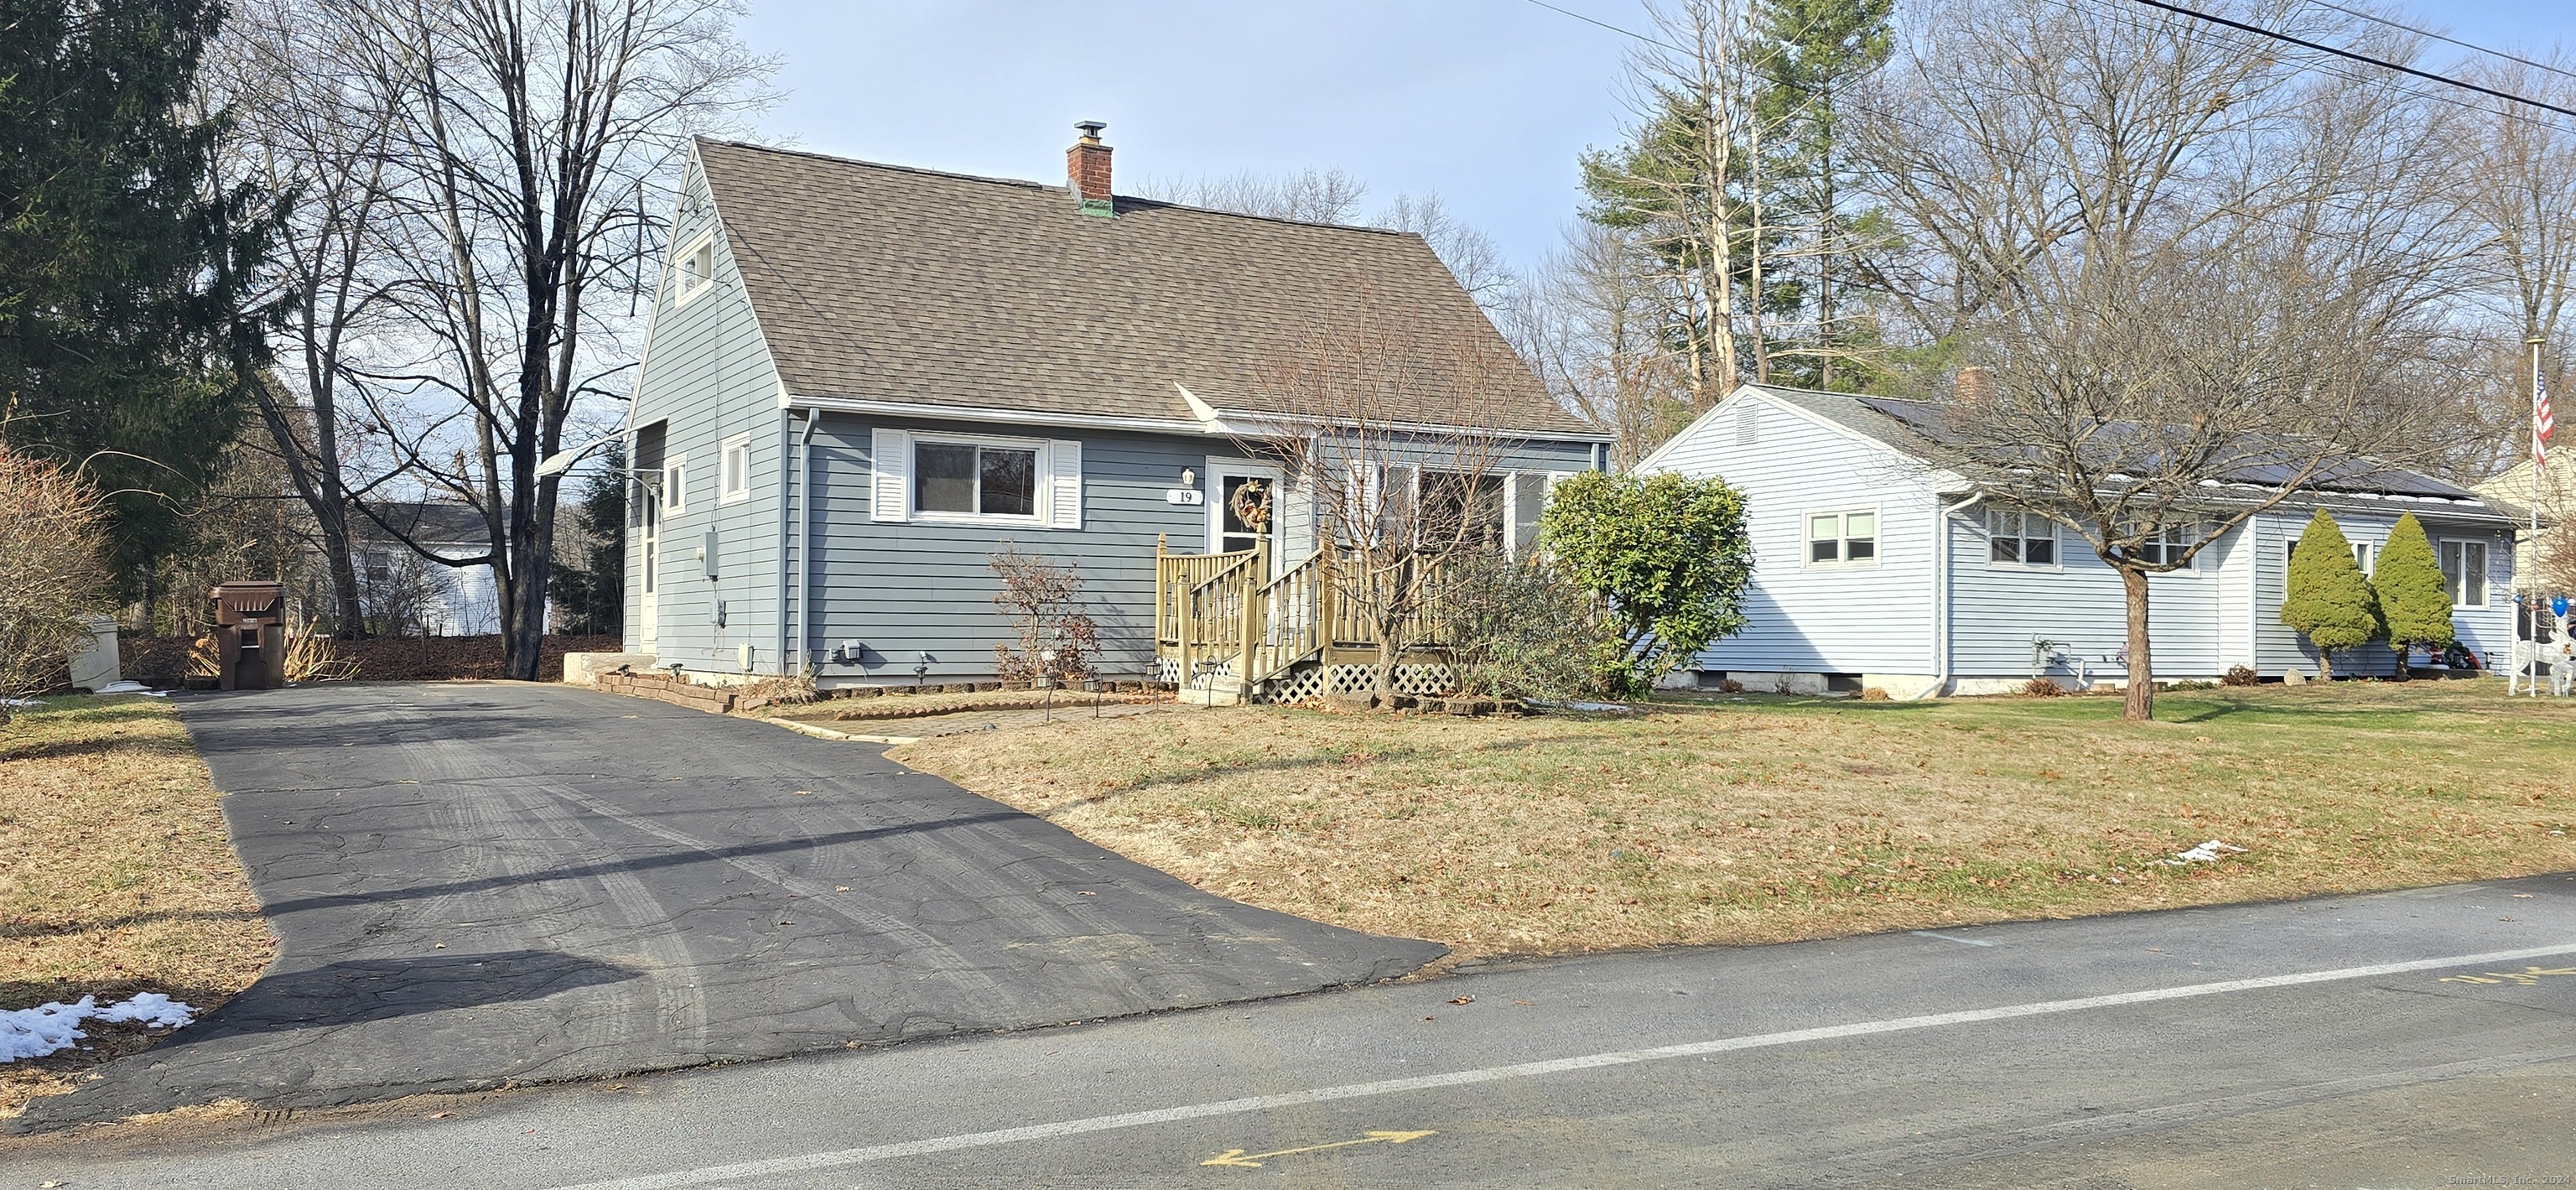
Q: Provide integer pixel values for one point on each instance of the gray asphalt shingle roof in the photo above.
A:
(1905, 425)
(885, 283)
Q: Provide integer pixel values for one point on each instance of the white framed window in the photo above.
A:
(2169, 546)
(736, 476)
(1527, 504)
(697, 267)
(974, 478)
(2464, 571)
(2019, 537)
(675, 485)
(2364, 555)
(1845, 537)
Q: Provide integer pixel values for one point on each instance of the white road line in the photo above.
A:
(814, 1162)
(1947, 938)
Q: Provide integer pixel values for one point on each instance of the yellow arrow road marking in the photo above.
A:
(1242, 1160)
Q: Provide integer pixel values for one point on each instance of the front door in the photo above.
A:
(1243, 502)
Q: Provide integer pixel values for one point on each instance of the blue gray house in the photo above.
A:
(861, 381)
(1873, 568)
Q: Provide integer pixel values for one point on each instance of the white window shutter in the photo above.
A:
(890, 454)
(1064, 484)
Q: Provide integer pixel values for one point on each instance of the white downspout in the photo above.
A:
(1941, 591)
(804, 544)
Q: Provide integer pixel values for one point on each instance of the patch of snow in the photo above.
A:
(21, 702)
(2206, 853)
(46, 1028)
(126, 687)
(1613, 707)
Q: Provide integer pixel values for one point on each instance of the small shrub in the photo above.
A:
(1519, 629)
(2242, 675)
(1666, 556)
(2191, 685)
(1729, 686)
(1875, 694)
(1044, 601)
(2042, 688)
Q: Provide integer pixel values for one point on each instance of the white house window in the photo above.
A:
(2172, 545)
(737, 469)
(697, 267)
(2363, 555)
(974, 479)
(2464, 571)
(675, 485)
(1842, 537)
(2020, 538)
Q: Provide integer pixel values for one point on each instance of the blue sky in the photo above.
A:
(1486, 102)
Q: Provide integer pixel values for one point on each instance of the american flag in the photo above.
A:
(2541, 424)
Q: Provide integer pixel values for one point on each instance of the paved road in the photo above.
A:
(475, 883)
(2408, 1040)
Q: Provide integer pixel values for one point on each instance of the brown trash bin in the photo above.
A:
(250, 630)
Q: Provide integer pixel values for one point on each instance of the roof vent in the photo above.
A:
(1086, 170)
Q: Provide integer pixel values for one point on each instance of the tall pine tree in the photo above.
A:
(1811, 52)
(124, 259)
(2328, 600)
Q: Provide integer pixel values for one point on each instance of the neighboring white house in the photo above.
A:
(408, 595)
(1874, 568)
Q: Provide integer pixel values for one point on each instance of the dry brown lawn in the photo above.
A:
(1763, 819)
(116, 877)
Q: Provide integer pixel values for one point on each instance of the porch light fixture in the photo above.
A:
(1189, 478)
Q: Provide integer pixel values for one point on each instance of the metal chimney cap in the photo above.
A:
(1090, 130)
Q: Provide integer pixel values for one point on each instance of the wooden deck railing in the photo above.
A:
(1216, 608)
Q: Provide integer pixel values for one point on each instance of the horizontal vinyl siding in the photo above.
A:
(709, 378)
(2082, 606)
(2487, 631)
(1818, 620)
(908, 588)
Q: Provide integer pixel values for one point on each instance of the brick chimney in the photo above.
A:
(1975, 385)
(1086, 170)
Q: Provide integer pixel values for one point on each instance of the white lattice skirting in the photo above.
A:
(1313, 681)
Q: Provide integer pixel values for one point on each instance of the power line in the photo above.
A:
(2340, 52)
(2323, 64)
(2023, 155)
(2466, 45)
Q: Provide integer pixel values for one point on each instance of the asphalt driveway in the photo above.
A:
(475, 884)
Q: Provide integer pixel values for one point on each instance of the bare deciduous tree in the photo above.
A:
(1589, 324)
(1309, 195)
(2198, 280)
(1380, 450)
(315, 102)
(524, 136)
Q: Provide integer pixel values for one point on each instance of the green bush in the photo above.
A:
(1520, 629)
(2413, 599)
(1666, 555)
(2328, 600)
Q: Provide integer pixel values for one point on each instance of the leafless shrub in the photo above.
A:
(2241, 675)
(50, 571)
(2042, 688)
(1043, 598)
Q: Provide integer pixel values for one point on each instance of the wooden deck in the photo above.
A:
(1217, 609)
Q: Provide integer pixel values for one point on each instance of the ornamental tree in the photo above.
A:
(2413, 599)
(1666, 554)
(2328, 600)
